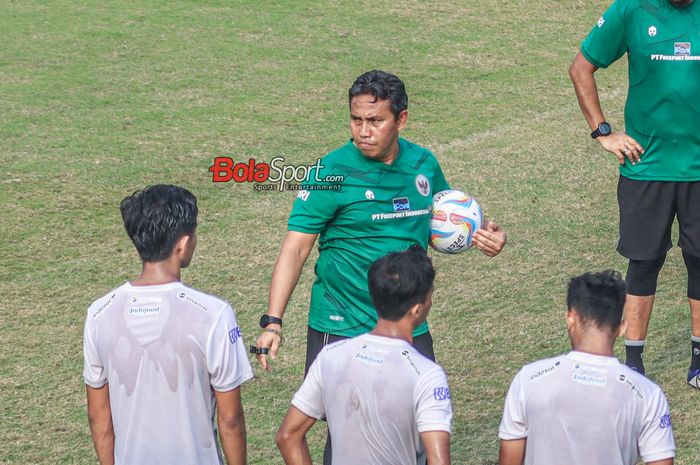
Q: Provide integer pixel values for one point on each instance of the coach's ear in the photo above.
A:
(401, 120)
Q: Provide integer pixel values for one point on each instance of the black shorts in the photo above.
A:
(647, 211)
(316, 340)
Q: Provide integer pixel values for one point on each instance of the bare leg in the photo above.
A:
(637, 314)
(694, 370)
(694, 317)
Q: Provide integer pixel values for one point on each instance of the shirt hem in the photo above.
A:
(592, 60)
(348, 332)
(510, 437)
(245, 376)
(658, 179)
(306, 409)
(301, 229)
(667, 454)
(95, 385)
(434, 427)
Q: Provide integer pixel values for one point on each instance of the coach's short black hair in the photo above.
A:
(680, 3)
(384, 86)
(400, 280)
(598, 297)
(156, 217)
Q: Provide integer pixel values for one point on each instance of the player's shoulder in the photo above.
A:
(417, 363)
(199, 300)
(337, 346)
(541, 369)
(331, 354)
(638, 385)
(110, 300)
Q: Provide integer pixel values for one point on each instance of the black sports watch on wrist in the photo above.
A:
(603, 129)
(266, 320)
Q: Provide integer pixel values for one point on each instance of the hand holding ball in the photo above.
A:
(455, 219)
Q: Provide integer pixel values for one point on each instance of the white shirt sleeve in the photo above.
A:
(433, 402)
(514, 421)
(656, 441)
(94, 371)
(309, 397)
(227, 359)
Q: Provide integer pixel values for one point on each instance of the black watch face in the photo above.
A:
(604, 129)
(267, 319)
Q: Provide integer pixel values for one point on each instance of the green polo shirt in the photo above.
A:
(378, 209)
(663, 104)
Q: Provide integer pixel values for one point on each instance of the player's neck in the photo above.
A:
(154, 273)
(600, 345)
(401, 329)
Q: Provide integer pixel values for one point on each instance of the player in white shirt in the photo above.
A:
(586, 407)
(161, 358)
(385, 403)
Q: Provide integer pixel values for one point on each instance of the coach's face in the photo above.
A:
(375, 130)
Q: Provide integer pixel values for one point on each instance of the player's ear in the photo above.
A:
(571, 316)
(184, 244)
(621, 329)
(416, 311)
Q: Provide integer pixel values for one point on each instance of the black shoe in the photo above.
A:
(694, 378)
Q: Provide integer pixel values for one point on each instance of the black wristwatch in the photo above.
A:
(602, 130)
(266, 320)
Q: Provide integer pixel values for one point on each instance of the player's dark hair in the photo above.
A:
(598, 297)
(156, 217)
(384, 86)
(400, 280)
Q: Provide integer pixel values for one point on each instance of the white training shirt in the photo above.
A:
(587, 409)
(162, 349)
(378, 394)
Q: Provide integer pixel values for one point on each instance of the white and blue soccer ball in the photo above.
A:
(456, 217)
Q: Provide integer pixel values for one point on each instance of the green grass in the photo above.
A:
(102, 98)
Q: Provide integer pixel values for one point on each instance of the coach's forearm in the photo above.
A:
(582, 72)
(295, 250)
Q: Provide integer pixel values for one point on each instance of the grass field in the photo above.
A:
(102, 98)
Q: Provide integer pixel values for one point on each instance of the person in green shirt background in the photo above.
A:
(659, 151)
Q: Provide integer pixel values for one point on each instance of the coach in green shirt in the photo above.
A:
(378, 200)
(659, 151)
